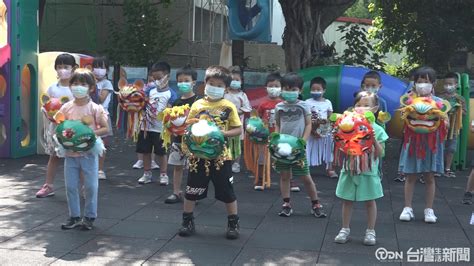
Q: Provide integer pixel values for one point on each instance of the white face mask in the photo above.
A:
(213, 92)
(64, 73)
(449, 88)
(80, 92)
(274, 91)
(99, 72)
(423, 89)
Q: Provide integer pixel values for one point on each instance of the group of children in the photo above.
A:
(226, 104)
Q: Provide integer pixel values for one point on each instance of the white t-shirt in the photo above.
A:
(58, 91)
(157, 102)
(322, 108)
(105, 84)
(240, 100)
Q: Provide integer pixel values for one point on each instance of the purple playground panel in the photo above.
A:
(5, 70)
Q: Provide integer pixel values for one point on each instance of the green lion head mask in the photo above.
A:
(286, 148)
(75, 135)
(256, 130)
(204, 140)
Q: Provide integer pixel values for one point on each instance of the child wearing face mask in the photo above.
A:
(149, 138)
(235, 95)
(139, 163)
(432, 163)
(83, 108)
(293, 117)
(105, 90)
(64, 65)
(213, 107)
(266, 111)
(458, 109)
(367, 186)
(372, 82)
(319, 148)
(186, 78)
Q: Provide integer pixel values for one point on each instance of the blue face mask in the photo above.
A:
(213, 92)
(235, 84)
(316, 95)
(290, 96)
(185, 87)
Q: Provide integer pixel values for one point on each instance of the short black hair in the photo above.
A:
(187, 71)
(100, 61)
(161, 66)
(362, 94)
(425, 72)
(274, 76)
(65, 59)
(236, 70)
(218, 72)
(83, 75)
(291, 80)
(451, 75)
(371, 75)
(318, 80)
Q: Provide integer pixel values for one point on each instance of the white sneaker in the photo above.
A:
(154, 165)
(138, 165)
(343, 236)
(258, 188)
(145, 179)
(235, 168)
(102, 175)
(430, 217)
(407, 214)
(369, 239)
(164, 180)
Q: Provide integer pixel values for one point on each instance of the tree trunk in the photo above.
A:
(306, 21)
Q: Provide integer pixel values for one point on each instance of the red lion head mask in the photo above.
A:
(131, 96)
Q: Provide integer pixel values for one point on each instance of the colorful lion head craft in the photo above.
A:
(425, 123)
(353, 141)
(423, 114)
(174, 122)
(319, 127)
(204, 140)
(287, 149)
(256, 130)
(131, 97)
(75, 135)
(50, 106)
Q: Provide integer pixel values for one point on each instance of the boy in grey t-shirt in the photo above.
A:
(293, 117)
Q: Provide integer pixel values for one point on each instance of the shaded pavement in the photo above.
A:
(135, 226)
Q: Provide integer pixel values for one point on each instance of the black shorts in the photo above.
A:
(222, 179)
(152, 142)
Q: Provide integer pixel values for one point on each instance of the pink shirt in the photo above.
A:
(72, 111)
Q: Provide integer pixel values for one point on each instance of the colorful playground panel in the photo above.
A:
(18, 106)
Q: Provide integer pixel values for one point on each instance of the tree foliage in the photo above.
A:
(430, 31)
(359, 49)
(143, 37)
(306, 21)
(360, 10)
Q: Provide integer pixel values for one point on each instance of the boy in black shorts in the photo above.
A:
(219, 171)
(149, 138)
(186, 78)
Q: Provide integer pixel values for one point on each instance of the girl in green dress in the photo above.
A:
(367, 185)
